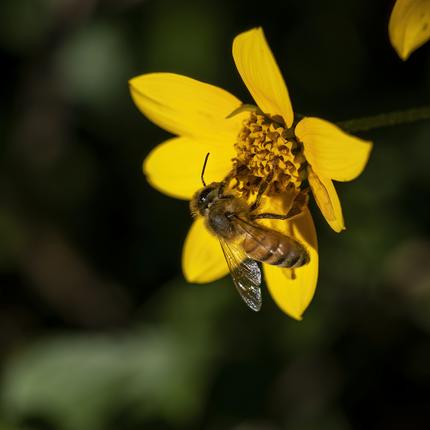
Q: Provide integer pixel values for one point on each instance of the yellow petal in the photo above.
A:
(186, 107)
(293, 290)
(175, 166)
(258, 69)
(327, 200)
(202, 257)
(409, 26)
(331, 152)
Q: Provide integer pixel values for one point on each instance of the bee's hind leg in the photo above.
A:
(263, 187)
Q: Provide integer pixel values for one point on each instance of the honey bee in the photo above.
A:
(244, 242)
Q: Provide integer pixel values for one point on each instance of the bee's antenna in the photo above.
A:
(204, 168)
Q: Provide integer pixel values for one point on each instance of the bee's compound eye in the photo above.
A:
(205, 198)
(204, 195)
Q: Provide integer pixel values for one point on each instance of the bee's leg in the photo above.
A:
(263, 187)
(224, 183)
(269, 216)
(299, 204)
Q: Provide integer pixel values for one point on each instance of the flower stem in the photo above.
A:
(385, 119)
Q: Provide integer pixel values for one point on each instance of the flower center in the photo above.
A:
(266, 148)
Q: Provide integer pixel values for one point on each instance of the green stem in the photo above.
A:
(385, 119)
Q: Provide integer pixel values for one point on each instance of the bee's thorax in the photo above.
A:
(221, 216)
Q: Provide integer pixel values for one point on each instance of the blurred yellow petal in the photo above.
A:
(331, 152)
(260, 73)
(293, 289)
(202, 257)
(186, 107)
(409, 26)
(175, 166)
(327, 200)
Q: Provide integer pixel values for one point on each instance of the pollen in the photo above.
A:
(267, 149)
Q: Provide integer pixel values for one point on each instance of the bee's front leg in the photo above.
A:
(223, 184)
(263, 187)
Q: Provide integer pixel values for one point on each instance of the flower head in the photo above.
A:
(249, 145)
(409, 26)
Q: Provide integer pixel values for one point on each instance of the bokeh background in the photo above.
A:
(99, 330)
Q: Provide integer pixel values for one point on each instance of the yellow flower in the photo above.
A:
(409, 26)
(265, 142)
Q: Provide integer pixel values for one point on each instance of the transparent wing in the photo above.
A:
(255, 231)
(245, 273)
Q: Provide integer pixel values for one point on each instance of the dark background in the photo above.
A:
(99, 330)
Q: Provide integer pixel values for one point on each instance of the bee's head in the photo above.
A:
(204, 198)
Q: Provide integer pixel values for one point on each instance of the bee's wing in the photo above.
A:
(245, 273)
(255, 231)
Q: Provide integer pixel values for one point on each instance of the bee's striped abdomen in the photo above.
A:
(272, 247)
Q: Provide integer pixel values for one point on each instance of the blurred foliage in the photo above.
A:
(83, 381)
(99, 329)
